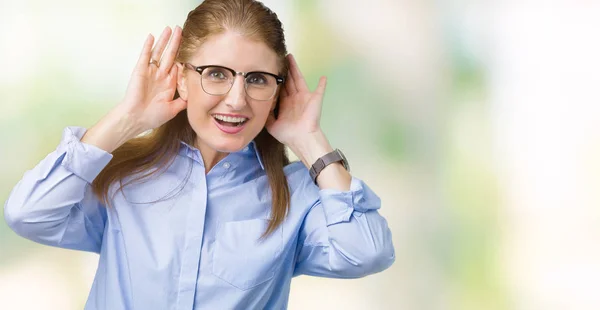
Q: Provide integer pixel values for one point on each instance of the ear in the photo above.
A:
(181, 82)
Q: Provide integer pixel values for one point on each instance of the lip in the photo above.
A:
(229, 130)
(231, 115)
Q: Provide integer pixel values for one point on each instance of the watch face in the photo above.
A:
(344, 160)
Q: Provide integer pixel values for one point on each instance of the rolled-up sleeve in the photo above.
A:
(53, 203)
(343, 235)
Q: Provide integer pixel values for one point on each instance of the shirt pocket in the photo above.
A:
(241, 258)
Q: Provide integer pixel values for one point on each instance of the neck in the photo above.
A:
(210, 156)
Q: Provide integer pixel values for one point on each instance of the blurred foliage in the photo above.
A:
(356, 116)
(353, 93)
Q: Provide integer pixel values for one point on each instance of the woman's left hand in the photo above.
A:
(299, 109)
(297, 126)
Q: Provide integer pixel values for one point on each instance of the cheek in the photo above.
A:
(199, 104)
(260, 118)
(198, 113)
(262, 110)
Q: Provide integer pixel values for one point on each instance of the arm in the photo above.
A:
(53, 203)
(343, 235)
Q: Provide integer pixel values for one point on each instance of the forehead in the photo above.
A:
(233, 50)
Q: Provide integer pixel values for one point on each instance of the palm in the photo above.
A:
(153, 92)
(299, 108)
(149, 96)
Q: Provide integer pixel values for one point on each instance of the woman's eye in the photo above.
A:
(218, 75)
(257, 79)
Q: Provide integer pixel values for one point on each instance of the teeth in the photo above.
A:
(229, 118)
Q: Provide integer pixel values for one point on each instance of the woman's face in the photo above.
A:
(216, 118)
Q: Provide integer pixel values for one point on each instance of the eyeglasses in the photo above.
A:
(218, 81)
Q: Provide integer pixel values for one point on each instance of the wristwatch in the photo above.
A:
(325, 160)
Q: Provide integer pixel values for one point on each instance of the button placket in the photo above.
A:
(193, 245)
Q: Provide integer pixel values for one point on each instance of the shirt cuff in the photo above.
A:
(340, 205)
(84, 160)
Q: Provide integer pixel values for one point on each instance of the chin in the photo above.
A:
(228, 145)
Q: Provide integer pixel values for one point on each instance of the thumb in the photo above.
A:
(177, 105)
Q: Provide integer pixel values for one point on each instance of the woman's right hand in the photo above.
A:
(148, 102)
(149, 97)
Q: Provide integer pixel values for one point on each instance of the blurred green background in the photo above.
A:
(454, 112)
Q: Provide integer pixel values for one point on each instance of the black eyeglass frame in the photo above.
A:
(278, 79)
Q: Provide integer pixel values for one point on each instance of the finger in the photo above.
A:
(146, 52)
(160, 45)
(290, 86)
(171, 86)
(173, 71)
(177, 106)
(173, 78)
(321, 87)
(171, 52)
(299, 80)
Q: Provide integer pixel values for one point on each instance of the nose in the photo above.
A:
(236, 97)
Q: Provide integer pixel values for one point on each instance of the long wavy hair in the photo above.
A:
(151, 154)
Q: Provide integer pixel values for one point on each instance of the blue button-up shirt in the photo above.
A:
(170, 244)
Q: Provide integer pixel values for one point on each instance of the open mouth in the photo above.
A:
(230, 121)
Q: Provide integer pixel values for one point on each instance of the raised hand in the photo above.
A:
(299, 108)
(148, 102)
(149, 97)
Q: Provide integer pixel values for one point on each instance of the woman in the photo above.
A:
(204, 210)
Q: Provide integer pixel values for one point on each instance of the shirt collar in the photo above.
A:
(194, 153)
(253, 149)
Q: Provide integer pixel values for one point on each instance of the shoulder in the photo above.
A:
(296, 172)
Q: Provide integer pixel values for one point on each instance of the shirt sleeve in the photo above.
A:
(343, 235)
(53, 203)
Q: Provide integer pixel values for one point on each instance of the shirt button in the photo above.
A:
(226, 165)
(246, 149)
